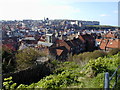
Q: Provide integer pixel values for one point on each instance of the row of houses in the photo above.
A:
(61, 48)
(109, 41)
(85, 42)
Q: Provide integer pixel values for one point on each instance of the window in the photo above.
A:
(98, 42)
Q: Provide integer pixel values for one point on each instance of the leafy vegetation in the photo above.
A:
(8, 60)
(83, 58)
(73, 75)
(26, 58)
(114, 51)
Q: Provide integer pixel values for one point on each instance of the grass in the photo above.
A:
(73, 75)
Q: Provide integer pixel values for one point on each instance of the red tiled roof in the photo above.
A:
(98, 40)
(103, 44)
(69, 43)
(41, 40)
(59, 51)
(10, 46)
(58, 41)
(73, 42)
(81, 38)
(110, 35)
(86, 37)
(113, 43)
(110, 43)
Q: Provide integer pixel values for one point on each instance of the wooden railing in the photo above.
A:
(107, 79)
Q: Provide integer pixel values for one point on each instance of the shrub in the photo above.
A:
(8, 60)
(27, 57)
(114, 51)
(70, 57)
(72, 75)
(101, 65)
(98, 53)
(86, 56)
(96, 82)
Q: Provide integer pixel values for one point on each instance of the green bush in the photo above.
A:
(95, 82)
(101, 64)
(72, 75)
(8, 60)
(114, 51)
(8, 84)
(97, 53)
(27, 57)
(83, 58)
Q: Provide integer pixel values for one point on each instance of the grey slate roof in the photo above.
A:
(44, 43)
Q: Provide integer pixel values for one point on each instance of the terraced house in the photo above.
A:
(61, 48)
(109, 41)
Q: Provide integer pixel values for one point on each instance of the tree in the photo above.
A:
(8, 60)
(26, 58)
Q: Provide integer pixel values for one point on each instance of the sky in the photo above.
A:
(104, 11)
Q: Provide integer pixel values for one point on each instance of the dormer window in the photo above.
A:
(98, 42)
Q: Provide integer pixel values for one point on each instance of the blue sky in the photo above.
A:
(105, 12)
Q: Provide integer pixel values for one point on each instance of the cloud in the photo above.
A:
(35, 9)
(59, 11)
(104, 15)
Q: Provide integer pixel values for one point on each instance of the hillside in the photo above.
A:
(72, 75)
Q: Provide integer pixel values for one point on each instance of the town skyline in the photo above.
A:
(104, 12)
